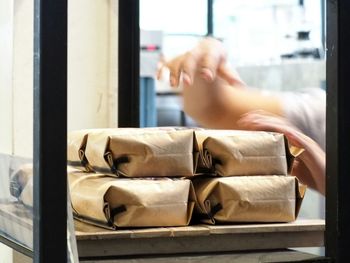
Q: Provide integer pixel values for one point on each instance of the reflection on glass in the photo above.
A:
(16, 199)
(16, 204)
(72, 250)
(16, 117)
(16, 129)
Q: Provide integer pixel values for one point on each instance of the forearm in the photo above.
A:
(219, 105)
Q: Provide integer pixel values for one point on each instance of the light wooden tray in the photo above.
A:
(97, 242)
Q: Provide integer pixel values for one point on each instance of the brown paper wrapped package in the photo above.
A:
(248, 198)
(235, 152)
(125, 202)
(170, 151)
(77, 141)
(142, 152)
(76, 148)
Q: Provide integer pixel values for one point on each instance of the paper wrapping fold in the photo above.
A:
(235, 152)
(76, 149)
(142, 152)
(248, 198)
(77, 141)
(126, 202)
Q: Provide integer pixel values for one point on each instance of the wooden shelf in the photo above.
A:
(97, 242)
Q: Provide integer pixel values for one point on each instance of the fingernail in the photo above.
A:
(207, 74)
(172, 81)
(186, 78)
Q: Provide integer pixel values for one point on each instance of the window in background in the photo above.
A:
(273, 44)
(168, 28)
(181, 21)
(263, 32)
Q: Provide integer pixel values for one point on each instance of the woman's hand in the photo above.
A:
(213, 94)
(208, 59)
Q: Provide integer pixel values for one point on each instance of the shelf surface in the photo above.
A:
(97, 242)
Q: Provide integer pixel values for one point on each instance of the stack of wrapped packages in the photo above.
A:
(151, 177)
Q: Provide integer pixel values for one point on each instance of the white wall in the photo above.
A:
(23, 78)
(113, 65)
(6, 22)
(91, 63)
(5, 254)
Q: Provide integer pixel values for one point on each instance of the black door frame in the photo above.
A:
(338, 131)
(50, 131)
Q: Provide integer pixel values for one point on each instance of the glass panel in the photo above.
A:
(16, 131)
(264, 32)
(276, 46)
(16, 117)
(72, 250)
(168, 28)
(16, 203)
(174, 17)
